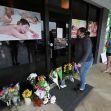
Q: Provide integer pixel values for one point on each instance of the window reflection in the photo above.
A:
(17, 53)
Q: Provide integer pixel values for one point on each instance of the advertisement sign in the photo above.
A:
(92, 28)
(16, 24)
(76, 24)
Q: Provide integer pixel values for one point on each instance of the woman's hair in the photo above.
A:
(84, 30)
(23, 22)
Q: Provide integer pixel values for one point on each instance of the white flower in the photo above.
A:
(53, 99)
(32, 75)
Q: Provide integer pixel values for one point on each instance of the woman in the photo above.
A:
(83, 55)
(108, 54)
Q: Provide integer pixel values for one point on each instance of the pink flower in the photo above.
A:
(1, 93)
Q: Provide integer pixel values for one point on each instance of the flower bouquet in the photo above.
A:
(10, 94)
(27, 96)
(5, 97)
(33, 79)
(69, 71)
(61, 76)
(41, 87)
(75, 70)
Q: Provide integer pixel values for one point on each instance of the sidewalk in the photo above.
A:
(98, 99)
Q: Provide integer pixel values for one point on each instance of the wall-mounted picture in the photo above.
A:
(76, 24)
(92, 28)
(16, 24)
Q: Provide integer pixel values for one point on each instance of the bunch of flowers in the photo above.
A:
(76, 70)
(10, 94)
(5, 97)
(68, 68)
(33, 79)
(27, 93)
(40, 85)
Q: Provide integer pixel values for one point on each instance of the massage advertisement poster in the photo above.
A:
(76, 24)
(92, 28)
(17, 24)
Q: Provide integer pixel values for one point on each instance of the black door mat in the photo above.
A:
(68, 98)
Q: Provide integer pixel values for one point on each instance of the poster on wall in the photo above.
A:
(59, 32)
(52, 25)
(17, 24)
(76, 24)
(60, 42)
(92, 28)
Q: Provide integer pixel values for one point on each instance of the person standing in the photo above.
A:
(83, 56)
(108, 54)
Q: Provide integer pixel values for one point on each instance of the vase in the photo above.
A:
(27, 101)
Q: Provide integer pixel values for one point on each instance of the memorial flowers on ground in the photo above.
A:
(10, 95)
(41, 87)
(27, 96)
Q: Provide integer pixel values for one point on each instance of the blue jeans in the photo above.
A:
(84, 70)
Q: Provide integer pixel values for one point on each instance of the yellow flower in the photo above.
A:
(70, 67)
(65, 67)
(27, 93)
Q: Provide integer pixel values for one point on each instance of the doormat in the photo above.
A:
(67, 98)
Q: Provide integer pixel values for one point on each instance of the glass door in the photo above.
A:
(58, 33)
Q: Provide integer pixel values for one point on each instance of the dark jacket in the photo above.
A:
(83, 50)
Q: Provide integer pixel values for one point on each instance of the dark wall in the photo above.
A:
(79, 9)
(55, 2)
